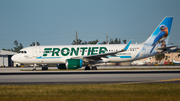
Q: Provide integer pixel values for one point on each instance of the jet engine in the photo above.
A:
(74, 63)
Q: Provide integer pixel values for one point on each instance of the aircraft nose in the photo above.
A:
(14, 58)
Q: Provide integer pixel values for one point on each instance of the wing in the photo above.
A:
(158, 37)
(168, 49)
(99, 56)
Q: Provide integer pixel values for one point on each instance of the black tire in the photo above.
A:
(34, 70)
(87, 68)
(94, 68)
(44, 68)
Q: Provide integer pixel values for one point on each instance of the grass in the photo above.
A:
(91, 92)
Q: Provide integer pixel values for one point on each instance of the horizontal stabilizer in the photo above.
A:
(168, 49)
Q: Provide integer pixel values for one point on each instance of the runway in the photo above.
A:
(90, 77)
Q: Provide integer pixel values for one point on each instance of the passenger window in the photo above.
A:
(47, 51)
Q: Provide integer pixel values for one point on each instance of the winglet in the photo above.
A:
(97, 43)
(127, 46)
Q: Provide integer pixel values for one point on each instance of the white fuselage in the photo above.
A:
(59, 54)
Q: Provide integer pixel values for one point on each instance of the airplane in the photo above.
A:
(76, 56)
(138, 62)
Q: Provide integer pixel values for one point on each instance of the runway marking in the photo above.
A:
(178, 79)
(169, 80)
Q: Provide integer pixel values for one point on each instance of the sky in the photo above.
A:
(55, 22)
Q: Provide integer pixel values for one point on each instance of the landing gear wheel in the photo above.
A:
(87, 68)
(33, 69)
(94, 68)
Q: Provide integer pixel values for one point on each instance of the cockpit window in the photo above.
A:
(22, 52)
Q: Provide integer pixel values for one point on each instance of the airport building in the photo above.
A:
(168, 58)
(5, 58)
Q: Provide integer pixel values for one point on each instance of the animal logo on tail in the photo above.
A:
(160, 38)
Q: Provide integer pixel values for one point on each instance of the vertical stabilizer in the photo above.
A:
(161, 33)
(159, 38)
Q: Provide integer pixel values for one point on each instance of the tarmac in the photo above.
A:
(14, 75)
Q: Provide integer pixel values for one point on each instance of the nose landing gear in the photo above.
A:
(34, 69)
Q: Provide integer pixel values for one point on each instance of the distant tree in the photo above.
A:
(116, 41)
(104, 42)
(111, 41)
(6, 49)
(124, 41)
(18, 46)
(35, 44)
(179, 50)
(93, 42)
(84, 43)
(166, 57)
(159, 57)
(178, 55)
(119, 41)
(78, 42)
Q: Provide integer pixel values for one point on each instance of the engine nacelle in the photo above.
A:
(74, 63)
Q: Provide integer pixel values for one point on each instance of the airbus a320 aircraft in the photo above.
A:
(76, 56)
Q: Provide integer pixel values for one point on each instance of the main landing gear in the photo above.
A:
(92, 68)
